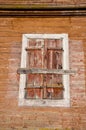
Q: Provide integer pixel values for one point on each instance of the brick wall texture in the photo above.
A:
(13, 117)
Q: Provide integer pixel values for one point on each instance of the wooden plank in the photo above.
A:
(30, 85)
(52, 48)
(33, 48)
(40, 6)
(58, 85)
(43, 12)
(44, 71)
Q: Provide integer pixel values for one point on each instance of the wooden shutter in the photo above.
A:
(44, 54)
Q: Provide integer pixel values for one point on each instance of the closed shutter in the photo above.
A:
(44, 72)
(44, 55)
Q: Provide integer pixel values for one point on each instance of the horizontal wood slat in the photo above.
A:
(52, 48)
(33, 48)
(42, 11)
(58, 85)
(44, 71)
(38, 48)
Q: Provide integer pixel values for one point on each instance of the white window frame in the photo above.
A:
(65, 102)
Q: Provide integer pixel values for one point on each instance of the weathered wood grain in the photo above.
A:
(44, 71)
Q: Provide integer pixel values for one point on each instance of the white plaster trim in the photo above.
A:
(45, 36)
(66, 67)
(22, 76)
(53, 103)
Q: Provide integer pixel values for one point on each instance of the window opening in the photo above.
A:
(44, 72)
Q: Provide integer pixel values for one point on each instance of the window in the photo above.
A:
(44, 77)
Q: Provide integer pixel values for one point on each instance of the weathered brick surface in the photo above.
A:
(41, 118)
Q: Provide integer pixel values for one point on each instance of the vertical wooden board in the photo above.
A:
(34, 93)
(54, 93)
(54, 88)
(34, 60)
(54, 61)
(48, 58)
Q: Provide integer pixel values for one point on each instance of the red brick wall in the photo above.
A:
(35, 118)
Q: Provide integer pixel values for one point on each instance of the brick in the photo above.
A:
(19, 118)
